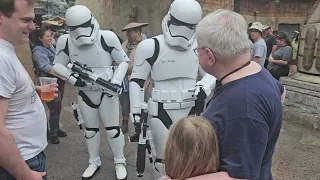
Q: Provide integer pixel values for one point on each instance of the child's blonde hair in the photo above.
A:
(191, 149)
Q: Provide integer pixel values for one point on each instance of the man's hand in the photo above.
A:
(34, 175)
(137, 118)
(283, 96)
(271, 60)
(52, 85)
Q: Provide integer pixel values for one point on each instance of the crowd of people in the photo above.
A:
(234, 138)
(277, 53)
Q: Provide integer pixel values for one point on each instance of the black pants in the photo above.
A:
(280, 72)
(55, 110)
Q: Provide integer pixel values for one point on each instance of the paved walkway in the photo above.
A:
(297, 154)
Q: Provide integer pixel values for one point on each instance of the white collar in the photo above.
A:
(7, 43)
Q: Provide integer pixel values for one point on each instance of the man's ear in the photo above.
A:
(211, 60)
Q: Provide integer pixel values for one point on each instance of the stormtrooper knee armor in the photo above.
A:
(172, 61)
(96, 49)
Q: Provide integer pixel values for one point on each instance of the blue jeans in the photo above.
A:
(37, 163)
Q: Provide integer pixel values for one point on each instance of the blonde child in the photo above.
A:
(191, 151)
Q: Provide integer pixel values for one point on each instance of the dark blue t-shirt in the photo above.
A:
(247, 116)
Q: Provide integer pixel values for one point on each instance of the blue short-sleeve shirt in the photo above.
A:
(247, 116)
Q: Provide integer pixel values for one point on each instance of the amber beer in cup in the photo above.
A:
(48, 89)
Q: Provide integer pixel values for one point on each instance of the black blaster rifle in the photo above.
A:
(86, 74)
(77, 114)
(145, 142)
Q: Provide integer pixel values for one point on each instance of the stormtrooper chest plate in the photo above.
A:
(94, 56)
(172, 63)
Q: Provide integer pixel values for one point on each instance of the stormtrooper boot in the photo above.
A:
(116, 142)
(90, 171)
(121, 171)
(93, 144)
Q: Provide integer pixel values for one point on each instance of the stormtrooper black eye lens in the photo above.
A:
(176, 22)
(86, 24)
(72, 28)
(192, 27)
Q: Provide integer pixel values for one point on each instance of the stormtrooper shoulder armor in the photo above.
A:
(147, 50)
(62, 45)
(110, 41)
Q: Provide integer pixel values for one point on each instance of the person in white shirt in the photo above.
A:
(23, 124)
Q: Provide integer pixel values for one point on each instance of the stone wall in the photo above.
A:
(267, 11)
(285, 12)
(302, 103)
(115, 13)
(209, 6)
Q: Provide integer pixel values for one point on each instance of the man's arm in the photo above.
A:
(282, 91)
(274, 48)
(283, 96)
(258, 51)
(286, 56)
(10, 157)
(257, 59)
(278, 61)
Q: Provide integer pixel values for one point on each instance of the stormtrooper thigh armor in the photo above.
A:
(160, 123)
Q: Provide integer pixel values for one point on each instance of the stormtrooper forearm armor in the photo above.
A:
(64, 72)
(208, 82)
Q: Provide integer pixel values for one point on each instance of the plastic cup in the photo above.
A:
(48, 89)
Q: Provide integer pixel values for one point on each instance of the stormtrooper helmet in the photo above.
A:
(83, 27)
(179, 24)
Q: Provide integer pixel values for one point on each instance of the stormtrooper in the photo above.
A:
(171, 60)
(96, 49)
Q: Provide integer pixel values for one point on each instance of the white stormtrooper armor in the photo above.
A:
(172, 60)
(95, 48)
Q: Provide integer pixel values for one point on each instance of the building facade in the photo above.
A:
(281, 15)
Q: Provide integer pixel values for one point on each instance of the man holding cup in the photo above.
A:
(23, 124)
